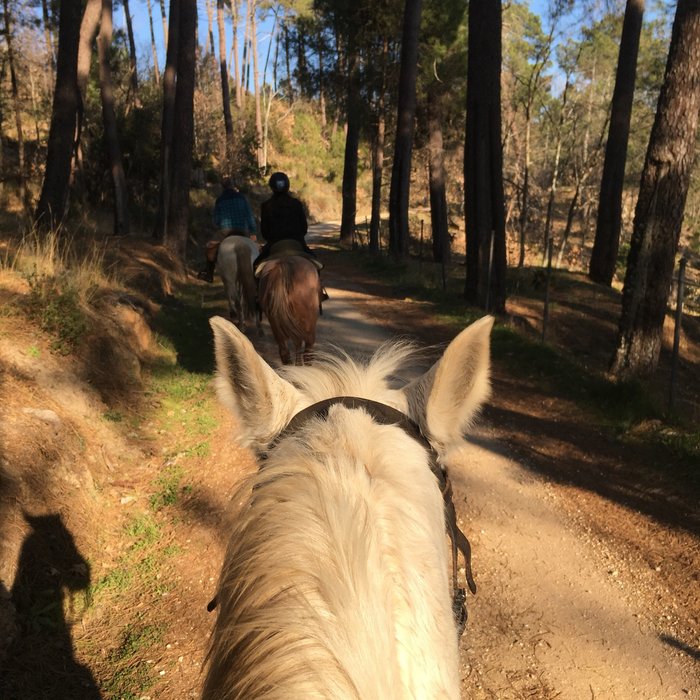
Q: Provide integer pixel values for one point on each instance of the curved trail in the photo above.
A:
(556, 614)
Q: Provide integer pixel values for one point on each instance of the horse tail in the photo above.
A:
(289, 290)
(246, 280)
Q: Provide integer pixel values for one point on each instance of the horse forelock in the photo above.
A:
(336, 373)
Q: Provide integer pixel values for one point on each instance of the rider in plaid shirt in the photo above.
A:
(232, 217)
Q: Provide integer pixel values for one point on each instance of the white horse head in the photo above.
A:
(335, 583)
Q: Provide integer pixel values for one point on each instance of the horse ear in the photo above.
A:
(262, 401)
(447, 397)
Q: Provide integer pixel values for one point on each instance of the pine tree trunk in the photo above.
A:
(483, 161)
(256, 87)
(234, 51)
(554, 181)
(156, 67)
(114, 155)
(321, 85)
(378, 160)
(352, 143)
(21, 170)
(438, 198)
(661, 202)
(399, 191)
(166, 29)
(210, 27)
(178, 216)
(290, 96)
(525, 196)
(609, 223)
(168, 118)
(133, 68)
(225, 94)
(61, 144)
(47, 34)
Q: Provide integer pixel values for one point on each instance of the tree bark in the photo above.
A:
(378, 159)
(483, 161)
(352, 143)
(401, 170)
(321, 84)
(168, 118)
(178, 216)
(166, 29)
(114, 154)
(661, 203)
(156, 67)
(234, 51)
(438, 198)
(210, 26)
(290, 96)
(225, 94)
(133, 68)
(21, 170)
(554, 180)
(609, 222)
(256, 88)
(61, 144)
(47, 33)
(88, 31)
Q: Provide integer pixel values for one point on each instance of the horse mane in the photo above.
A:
(336, 569)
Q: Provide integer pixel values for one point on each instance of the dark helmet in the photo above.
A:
(279, 182)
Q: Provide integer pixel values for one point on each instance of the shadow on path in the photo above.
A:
(40, 663)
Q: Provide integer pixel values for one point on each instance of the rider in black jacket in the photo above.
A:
(282, 218)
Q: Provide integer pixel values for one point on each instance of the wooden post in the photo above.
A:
(680, 293)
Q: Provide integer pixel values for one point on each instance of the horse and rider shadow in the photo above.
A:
(40, 660)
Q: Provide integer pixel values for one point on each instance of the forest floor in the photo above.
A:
(113, 509)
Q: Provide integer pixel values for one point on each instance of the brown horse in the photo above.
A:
(289, 296)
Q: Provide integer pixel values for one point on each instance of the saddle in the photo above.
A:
(285, 249)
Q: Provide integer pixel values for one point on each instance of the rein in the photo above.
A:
(386, 415)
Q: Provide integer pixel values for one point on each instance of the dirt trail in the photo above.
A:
(560, 612)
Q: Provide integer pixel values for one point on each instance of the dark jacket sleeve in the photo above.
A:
(265, 220)
(303, 224)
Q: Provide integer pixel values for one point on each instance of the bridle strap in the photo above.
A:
(387, 415)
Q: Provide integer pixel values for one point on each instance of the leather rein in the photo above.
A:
(386, 415)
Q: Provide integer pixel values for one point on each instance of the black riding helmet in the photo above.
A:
(279, 182)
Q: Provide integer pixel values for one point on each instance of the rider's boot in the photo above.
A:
(208, 273)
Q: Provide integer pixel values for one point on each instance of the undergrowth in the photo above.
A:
(64, 277)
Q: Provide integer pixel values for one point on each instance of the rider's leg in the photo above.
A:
(211, 252)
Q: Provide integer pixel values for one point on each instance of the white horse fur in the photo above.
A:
(234, 263)
(336, 579)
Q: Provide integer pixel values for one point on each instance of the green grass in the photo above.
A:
(169, 489)
(113, 415)
(144, 532)
(132, 676)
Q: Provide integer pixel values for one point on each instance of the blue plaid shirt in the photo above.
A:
(232, 211)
